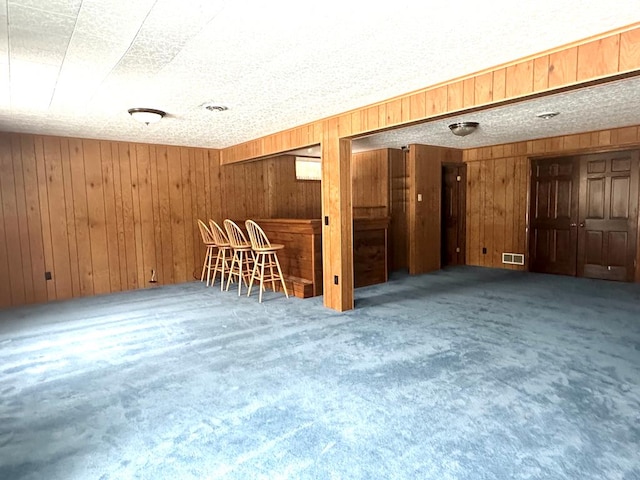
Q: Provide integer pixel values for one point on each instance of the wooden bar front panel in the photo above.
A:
(301, 259)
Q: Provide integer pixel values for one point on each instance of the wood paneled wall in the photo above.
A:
(99, 215)
(268, 189)
(370, 175)
(498, 185)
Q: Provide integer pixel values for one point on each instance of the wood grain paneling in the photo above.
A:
(498, 185)
(425, 186)
(598, 58)
(630, 50)
(370, 176)
(98, 215)
(267, 189)
(337, 234)
(563, 67)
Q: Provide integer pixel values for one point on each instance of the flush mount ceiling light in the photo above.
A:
(146, 115)
(547, 115)
(462, 129)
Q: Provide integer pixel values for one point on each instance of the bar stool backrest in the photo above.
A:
(207, 237)
(259, 240)
(235, 234)
(219, 236)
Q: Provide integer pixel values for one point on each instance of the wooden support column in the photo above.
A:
(337, 235)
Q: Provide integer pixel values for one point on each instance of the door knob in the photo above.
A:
(574, 225)
(582, 224)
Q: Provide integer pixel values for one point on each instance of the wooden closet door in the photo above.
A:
(554, 215)
(608, 215)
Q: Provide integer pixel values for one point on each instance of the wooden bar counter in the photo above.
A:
(301, 258)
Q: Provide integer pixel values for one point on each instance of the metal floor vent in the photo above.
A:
(513, 258)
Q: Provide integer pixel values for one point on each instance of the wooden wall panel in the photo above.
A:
(519, 79)
(111, 219)
(563, 67)
(370, 177)
(80, 217)
(500, 207)
(128, 216)
(598, 58)
(473, 210)
(98, 215)
(97, 220)
(36, 249)
(57, 216)
(498, 186)
(13, 282)
(483, 88)
(425, 182)
(630, 50)
(268, 189)
(21, 211)
(5, 272)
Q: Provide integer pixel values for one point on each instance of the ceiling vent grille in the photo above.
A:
(212, 107)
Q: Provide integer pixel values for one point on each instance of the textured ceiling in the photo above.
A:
(614, 105)
(74, 67)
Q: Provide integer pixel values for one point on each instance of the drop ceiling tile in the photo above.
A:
(67, 8)
(32, 85)
(34, 20)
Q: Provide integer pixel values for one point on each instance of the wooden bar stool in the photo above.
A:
(209, 242)
(266, 257)
(223, 258)
(243, 257)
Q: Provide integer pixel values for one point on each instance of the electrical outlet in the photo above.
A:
(335, 279)
(419, 197)
(47, 276)
(484, 250)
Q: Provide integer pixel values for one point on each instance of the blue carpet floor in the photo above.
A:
(467, 373)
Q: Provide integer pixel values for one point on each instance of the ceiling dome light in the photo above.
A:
(547, 115)
(146, 115)
(462, 129)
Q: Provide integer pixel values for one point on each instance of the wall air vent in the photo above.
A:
(513, 258)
